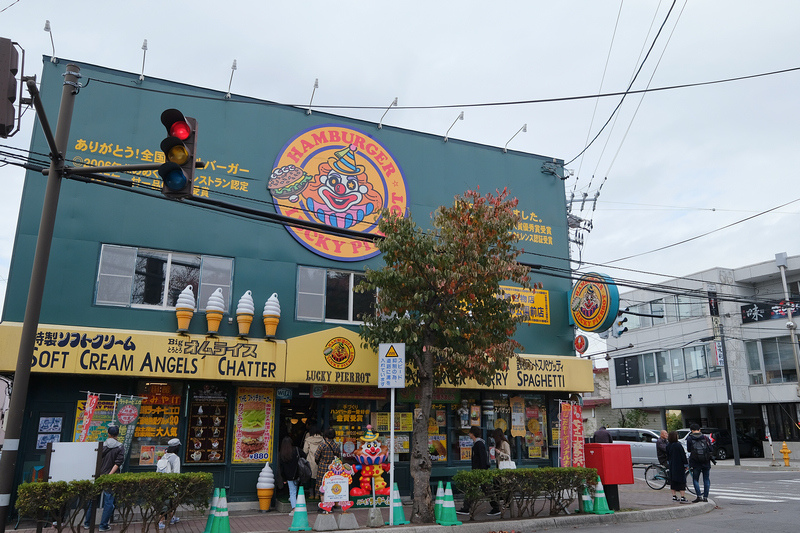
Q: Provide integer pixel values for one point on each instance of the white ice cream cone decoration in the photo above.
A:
(272, 315)
(265, 486)
(184, 308)
(244, 313)
(214, 309)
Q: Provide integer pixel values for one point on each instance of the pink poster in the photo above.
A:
(565, 434)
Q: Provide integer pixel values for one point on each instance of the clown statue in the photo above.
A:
(336, 468)
(373, 458)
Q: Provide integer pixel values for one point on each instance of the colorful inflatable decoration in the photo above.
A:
(336, 471)
(374, 460)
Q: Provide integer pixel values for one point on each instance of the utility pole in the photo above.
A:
(16, 411)
(781, 262)
(731, 419)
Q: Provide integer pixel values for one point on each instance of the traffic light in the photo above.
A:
(9, 64)
(177, 173)
(616, 328)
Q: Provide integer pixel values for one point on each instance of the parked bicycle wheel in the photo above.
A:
(656, 477)
(689, 482)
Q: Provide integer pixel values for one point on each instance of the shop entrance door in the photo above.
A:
(296, 416)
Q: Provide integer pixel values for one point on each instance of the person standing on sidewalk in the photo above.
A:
(676, 459)
(700, 459)
(111, 463)
(480, 461)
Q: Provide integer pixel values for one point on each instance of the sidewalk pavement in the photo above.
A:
(638, 503)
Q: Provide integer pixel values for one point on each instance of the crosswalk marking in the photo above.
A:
(749, 498)
(775, 491)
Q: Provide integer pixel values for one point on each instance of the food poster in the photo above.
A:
(437, 447)
(253, 425)
(98, 425)
(208, 418)
(475, 415)
(517, 405)
(535, 427)
(158, 420)
(149, 454)
(402, 443)
(465, 447)
(402, 422)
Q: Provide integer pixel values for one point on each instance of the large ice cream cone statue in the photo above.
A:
(214, 309)
(184, 308)
(244, 313)
(265, 487)
(272, 315)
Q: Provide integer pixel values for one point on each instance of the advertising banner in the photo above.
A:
(88, 412)
(253, 426)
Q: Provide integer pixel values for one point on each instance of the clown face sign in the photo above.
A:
(339, 177)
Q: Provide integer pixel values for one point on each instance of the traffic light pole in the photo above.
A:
(19, 393)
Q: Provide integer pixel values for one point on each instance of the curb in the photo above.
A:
(563, 522)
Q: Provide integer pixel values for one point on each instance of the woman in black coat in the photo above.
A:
(289, 455)
(676, 458)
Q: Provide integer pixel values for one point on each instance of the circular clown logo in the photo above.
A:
(594, 302)
(339, 353)
(339, 177)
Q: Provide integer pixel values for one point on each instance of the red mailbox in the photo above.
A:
(612, 461)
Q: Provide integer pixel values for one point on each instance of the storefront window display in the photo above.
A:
(534, 417)
(349, 419)
(206, 425)
(158, 421)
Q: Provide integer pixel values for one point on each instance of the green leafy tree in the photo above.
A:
(438, 294)
(674, 422)
(633, 418)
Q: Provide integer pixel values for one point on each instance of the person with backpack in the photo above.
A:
(289, 456)
(312, 441)
(111, 463)
(326, 453)
(700, 459)
(169, 463)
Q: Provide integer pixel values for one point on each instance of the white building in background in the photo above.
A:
(676, 361)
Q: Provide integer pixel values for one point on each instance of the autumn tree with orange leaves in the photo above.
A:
(438, 294)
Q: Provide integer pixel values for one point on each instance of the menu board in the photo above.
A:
(255, 415)
(402, 422)
(208, 418)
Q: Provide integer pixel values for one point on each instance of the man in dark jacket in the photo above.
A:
(480, 461)
(602, 435)
(698, 463)
(111, 463)
(661, 448)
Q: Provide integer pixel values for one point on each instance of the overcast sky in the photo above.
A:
(679, 163)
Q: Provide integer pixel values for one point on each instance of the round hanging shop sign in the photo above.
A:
(127, 414)
(581, 343)
(594, 302)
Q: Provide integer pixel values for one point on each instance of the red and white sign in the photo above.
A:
(581, 343)
(88, 413)
(127, 414)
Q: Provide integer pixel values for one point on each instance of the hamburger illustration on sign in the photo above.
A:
(339, 177)
(594, 302)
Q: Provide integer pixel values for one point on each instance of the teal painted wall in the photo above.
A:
(115, 108)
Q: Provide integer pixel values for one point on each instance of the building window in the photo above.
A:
(754, 363)
(664, 367)
(695, 361)
(779, 364)
(325, 295)
(690, 307)
(153, 279)
(670, 309)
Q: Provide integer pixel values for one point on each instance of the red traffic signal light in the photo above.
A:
(9, 65)
(177, 173)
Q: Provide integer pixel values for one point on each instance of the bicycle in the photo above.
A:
(656, 477)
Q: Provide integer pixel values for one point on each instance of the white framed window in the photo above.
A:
(326, 295)
(152, 279)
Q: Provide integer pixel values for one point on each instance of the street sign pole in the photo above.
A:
(391, 375)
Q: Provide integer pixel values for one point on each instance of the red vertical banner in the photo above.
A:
(578, 457)
(565, 434)
(88, 413)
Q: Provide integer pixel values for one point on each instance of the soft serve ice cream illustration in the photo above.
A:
(244, 313)
(214, 309)
(272, 314)
(184, 308)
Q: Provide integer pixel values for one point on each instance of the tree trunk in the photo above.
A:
(422, 509)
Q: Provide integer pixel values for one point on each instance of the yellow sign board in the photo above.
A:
(100, 351)
(333, 356)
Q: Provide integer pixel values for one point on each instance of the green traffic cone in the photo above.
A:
(212, 511)
(398, 517)
(586, 502)
(449, 517)
(300, 518)
(222, 523)
(600, 503)
(437, 506)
